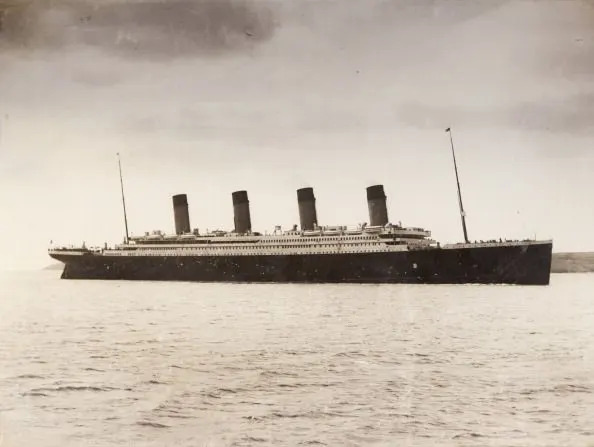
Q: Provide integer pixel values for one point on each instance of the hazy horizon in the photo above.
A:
(205, 98)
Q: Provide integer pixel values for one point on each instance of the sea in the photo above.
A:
(115, 363)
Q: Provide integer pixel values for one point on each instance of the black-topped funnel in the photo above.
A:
(181, 214)
(376, 202)
(241, 212)
(307, 209)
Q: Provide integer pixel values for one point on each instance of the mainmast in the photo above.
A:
(123, 200)
(462, 213)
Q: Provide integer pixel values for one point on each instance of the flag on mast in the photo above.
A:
(448, 129)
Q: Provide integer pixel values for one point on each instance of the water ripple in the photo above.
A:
(118, 363)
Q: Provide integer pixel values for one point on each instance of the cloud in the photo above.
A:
(564, 49)
(146, 29)
(570, 114)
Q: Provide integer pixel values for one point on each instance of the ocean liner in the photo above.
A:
(378, 252)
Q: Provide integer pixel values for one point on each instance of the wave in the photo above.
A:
(68, 388)
(152, 424)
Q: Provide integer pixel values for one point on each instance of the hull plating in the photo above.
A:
(525, 264)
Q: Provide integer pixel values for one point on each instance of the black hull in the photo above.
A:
(521, 264)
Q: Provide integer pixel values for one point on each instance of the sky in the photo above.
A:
(208, 97)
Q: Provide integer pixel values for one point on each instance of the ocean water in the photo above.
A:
(87, 363)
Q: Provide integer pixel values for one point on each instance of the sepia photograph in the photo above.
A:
(296, 222)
